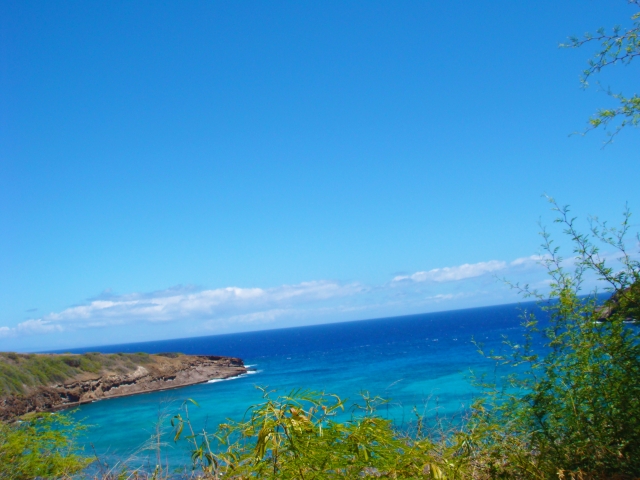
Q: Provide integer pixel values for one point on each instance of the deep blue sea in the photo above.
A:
(418, 361)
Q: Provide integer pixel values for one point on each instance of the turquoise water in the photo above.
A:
(419, 361)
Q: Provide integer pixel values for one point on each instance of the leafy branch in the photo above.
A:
(618, 47)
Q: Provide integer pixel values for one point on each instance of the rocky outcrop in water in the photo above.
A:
(163, 372)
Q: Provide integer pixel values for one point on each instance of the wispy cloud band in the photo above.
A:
(452, 274)
(242, 306)
(469, 270)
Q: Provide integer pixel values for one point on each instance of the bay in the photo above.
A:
(419, 363)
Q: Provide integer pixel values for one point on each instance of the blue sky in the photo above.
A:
(175, 169)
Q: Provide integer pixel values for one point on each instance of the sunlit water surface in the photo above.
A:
(420, 362)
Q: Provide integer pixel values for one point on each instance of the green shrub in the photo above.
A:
(295, 437)
(40, 447)
(72, 361)
(170, 354)
(576, 410)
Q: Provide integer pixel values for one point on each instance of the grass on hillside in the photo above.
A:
(20, 373)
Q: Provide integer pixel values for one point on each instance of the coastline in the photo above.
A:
(158, 374)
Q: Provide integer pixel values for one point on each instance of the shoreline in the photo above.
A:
(159, 373)
(161, 389)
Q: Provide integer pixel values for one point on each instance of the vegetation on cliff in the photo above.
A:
(20, 373)
(40, 383)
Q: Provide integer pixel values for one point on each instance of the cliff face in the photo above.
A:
(623, 302)
(157, 373)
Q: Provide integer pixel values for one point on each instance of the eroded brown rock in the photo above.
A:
(162, 373)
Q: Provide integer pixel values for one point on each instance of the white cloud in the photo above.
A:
(267, 316)
(260, 317)
(227, 308)
(530, 261)
(472, 270)
(444, 296)
(243, 305)
(453, 274)
(30, 327)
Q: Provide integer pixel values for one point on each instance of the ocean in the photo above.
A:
(418, 363)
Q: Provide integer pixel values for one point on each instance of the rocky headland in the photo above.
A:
(46, 382)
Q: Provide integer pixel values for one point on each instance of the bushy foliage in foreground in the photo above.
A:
(296, 437)
(41, 446)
